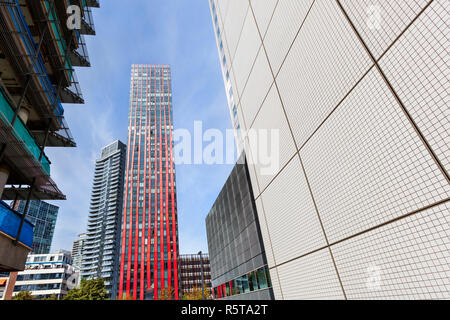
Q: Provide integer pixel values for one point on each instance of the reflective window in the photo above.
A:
(256, 280)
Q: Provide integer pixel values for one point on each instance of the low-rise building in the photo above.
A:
(191, 268)
(46, 275)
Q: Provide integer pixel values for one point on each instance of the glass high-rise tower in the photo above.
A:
(100, 252)
(149, 263)
(43, 215)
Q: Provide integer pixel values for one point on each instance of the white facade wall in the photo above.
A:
(358, 208)
(39, 265)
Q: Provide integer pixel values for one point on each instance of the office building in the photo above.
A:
(357, 91)
(77, 251)
(39, 50)
(4, 278)
(192, 266)
(100, 255)
(43, 216)
(149, 252)
(238, 261)
(47, 275)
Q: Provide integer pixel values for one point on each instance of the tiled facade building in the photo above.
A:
(358, 92)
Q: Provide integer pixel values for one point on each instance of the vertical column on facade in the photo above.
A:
(155, 227)
(130, 233)
(172, 198)
(136, 223)
(145, 105)
(166, 189)
(149, 180)
(125, 206)
(161, 219)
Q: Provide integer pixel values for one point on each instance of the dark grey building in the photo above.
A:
(237, 257)
(100, 256)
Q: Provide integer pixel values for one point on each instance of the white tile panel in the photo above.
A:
(407, 259)
(222, 6)
(310, 277)
(241, 119)
(291, 216)
(274, 139)
(252, 171)
(263, 10)
(366, 165)
(380, 22)
(234, 22)
(275, 284)
(287, 19)
(417, 66)
(246, 52)
(324, 64)
(265, 233)
(257, 87)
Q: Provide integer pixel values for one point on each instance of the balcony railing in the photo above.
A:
(92, 3)
(87, 22)
(10, 222)
(21, 132)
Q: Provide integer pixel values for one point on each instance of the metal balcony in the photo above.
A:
(87, 22)
(20, 49)
(20, 131)
(93, 3)
(80, 56)
(13, 256)
(22, 156)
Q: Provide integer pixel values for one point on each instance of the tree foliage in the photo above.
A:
(93, 289)
(23, 295)
(196, 294)
(167, 293)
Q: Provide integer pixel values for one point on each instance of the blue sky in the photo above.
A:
(174, 32)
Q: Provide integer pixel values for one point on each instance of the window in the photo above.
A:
(256, 280)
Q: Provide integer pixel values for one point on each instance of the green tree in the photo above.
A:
(23, 295)
(196, 294)
(167, 293)
(52, 297)
(93, 289)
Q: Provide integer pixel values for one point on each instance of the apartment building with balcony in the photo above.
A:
(101, 247)
(38, 56)
(77, 251)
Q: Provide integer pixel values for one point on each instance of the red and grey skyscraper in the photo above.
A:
(149, 237)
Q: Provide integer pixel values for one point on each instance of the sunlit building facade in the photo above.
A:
(149, 250)
(358, 207)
